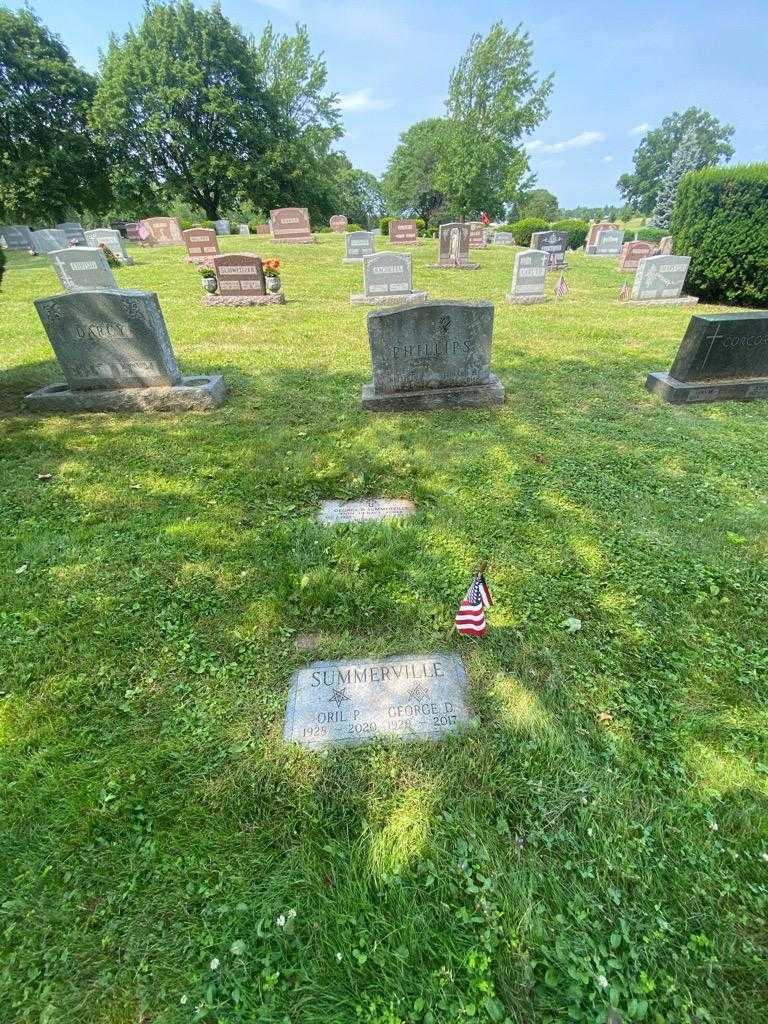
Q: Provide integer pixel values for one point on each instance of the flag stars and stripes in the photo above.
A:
(561, 288)
(470, 618)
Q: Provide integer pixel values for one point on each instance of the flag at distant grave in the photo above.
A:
(561, 288)
(470, 618)
(624, 293)
(485, 218)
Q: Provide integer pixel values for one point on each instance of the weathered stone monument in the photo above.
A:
(453, 248)
(46, 240)
(407, 697)
(403, 232)
(555, 244)
(722, 356)
(241, 282)
(436, 355)
(202, 245)
(291, 225)
(221, 227)
(358, 244)
(387, 281)
(338, 223)
(529, 277)
(609, 242)
(17, 237)
(665, 246)
(633, 252)
(659, 282)
(594, 231)
(477, 235)
(74, 232)
(113, 240)
(164, 230)
(115, 353)
(364, 510)
(81, 269)
(503, 238)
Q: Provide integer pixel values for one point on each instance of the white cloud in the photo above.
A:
(579, 141)
(607, 159)
(362, 99)
(640, 129)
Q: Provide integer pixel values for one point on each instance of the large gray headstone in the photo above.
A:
(555, 243)
(529, 277)
(358, 244)
(74, 231)
(364, 510)
(81, 269)
(46, 240)
(660, 277)
(17, 236)
(221, 227)
(387, 273)
(113, 240)
(407, 697)
(609, 242)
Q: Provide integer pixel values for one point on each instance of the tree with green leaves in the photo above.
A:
(688, 157)
(409, 181)
(494, 100)
(356, 194)
(654, 155)
(540, 203)
(49, 164)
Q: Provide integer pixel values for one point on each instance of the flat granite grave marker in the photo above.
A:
(432, 356)
(221, 227)
(478, 238)
(405, 697)
(81, 269)
(633, 252)
(74, 232)
(241, 282)
(358, 244)
(529, 278)
(113, 240)
(659, 282)
(403, 232)
(47, 240)
(202, 245)
(594, 231)
(609, 242)
(17, 237)
(387, 281)
(338, 223)
(722, 356)
(503, 238)
(364, 510)
(115, 353)
(453, 248)
(555, 244)
(291, 224)
(164, 230)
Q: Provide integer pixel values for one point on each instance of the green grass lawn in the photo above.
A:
(544, 866)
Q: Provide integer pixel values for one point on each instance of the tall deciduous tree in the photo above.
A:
(654, 155)
(409, 181)
(355, 193)
(540, 203)
(49, 164)
(494, 100)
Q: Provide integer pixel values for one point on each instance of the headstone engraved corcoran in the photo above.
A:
(403, 232)
(46, 240)
(364, 510)
(338, 223)
(665, 246)
(291, 224)
(202, 245)
(164, 230)
(503, 238)
(722, 356)
(81, 269)
(594, 231)
(221, 227)
(241, 282)
(659, 281)
(16, 237)
(358, 244)
(609, 242)
(387, 281)
(478, 238)
(407, 697)
(113, 240)
(453, 248)
(431, 356)
(554, 243)
(115, 353)
(529, 278)
(74, 232)
(633, 252)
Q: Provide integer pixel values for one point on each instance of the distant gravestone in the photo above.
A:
(263, 229)
(364, 510)
(47, 240)
(164, 230)
(555, 243)
(609, 242)
(17, 237)
(243, 229)
(132, 231)
(221, 227)
(241, 282)
(74, 232)
(338, 223)
(665, 246)
(722, 356)
(81, 269)
(529, 277)
(434, 355)
(453, 247)
(291, 225)
(387, 281)
(407, 697)
(632, 253)
(403, 232)
(113, 240)
(358, 244)
(202, 245)
(477, 235)
(594, 231)
(114, 350)
(659, 281)
(503, 238)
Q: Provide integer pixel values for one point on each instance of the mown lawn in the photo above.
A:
(545, 866)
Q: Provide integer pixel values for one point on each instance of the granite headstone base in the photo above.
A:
(525, 300)
(193, 393)
(271, 299)
(681, 300)
(476, 395)
(557, 267)
(294, 241)
(747, 389)
(454, 266)
(201, 261)
(405, 298)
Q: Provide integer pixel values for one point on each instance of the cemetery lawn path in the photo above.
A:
(598, 839)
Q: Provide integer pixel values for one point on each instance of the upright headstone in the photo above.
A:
(202, 245)
(74, 231)
(339, 223)
(243, 229)
(430, 356)
(356, 245)
(453, 247)
(291, 225)
(609, 242)
(477, 235)
(665, 246)
(16, 236)
(221, 227)
(241, 282)
(112, 239)
(594, 231)
(263, 229)
(403, 232)
(115, 353)
(633, 252)
(555, 243)
(164, 230)
(81, 269)
(529, 278)
(722, 356)
(47, 240)
(132, 231)
(387, 281)
(659, 281)
(503, 238)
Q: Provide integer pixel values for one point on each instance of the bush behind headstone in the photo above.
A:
(523, 229)
(654, 235)
(577, 231)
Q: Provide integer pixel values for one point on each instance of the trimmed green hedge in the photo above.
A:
(577, 231)
(523, 229)
(720, 220)
(654, 235)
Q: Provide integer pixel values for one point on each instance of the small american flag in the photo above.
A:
(470, 618)
(624, 293)
(561, 288)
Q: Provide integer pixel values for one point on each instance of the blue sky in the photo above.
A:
(619, 66)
